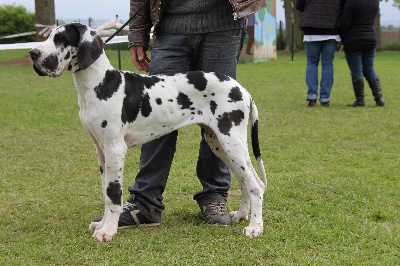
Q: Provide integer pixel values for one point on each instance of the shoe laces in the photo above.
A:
(128, 206)
(217, 208)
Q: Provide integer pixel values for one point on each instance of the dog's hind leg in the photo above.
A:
(114, 154)
(233, 151)
(248, 180)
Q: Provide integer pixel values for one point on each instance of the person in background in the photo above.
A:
(251, 21)
(319, 23)
(205, 35)
(359, 41)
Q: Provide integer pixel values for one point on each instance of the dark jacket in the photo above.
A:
(151, 13)
(319, 17)
(357, 21)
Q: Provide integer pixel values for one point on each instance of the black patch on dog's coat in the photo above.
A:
(104, 124)
(114, 192)
(213, 107)
(222, 77)
(64, 39)
(149, 81)
(197, 79)
(71, 36)
(51, 62)
(145, 106)
(235, 95)
(226, 121)
(67, 56)
(158, 101)
(111, 81)
(135, 99)
(184, 101)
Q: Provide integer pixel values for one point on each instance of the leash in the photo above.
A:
(126, 23)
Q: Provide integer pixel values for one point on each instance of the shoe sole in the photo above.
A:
(137, 225)
(218, 225)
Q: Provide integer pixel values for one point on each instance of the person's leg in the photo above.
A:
(367, 61)
(250, 41)
(374, 83)
(170, 55)
(216, 52)
(327, 56)
(313, 53)
(354, 62)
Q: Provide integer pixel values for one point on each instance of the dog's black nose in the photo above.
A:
(35, 53)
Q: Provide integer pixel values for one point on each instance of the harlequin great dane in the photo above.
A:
(120, 109)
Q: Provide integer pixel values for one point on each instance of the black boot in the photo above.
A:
(358, 86)
(375, 85)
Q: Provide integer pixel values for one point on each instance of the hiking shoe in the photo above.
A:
(325, 104)
(215, 213)
(130, 217)
(311, 103)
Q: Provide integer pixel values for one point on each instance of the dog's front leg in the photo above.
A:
(112, 190)
(101, 160)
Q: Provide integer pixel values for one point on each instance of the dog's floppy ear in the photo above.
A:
(90, 45)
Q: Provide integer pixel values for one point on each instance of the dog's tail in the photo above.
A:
(255, 142)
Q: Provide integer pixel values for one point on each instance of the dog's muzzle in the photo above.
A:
(35, 55)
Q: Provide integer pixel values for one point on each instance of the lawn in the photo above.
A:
(333, 174)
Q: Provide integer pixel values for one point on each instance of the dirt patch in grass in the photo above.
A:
(23, 61)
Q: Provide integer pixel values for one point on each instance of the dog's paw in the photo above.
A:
(238, 216)
(253, 231)
(95, 226)
(103, 235)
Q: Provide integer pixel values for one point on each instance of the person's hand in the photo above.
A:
(139, 58)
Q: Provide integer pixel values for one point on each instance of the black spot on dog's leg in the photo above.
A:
(225, 124)
(104, 124)
(236, 116)
(226, 121)
(114, 192)
(235, 95)
(158, 101)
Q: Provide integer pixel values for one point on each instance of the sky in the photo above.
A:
(106, 10)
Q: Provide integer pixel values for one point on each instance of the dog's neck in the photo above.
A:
(87, 78)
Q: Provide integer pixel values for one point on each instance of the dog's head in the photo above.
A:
(71, 46)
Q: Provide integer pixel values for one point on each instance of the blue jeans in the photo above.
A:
(361, 64)
(179, 53)
(323, 51)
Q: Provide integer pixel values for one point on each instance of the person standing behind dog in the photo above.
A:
(205, 35)
(359, 41)
(319, 23)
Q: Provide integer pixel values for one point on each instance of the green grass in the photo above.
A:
(333, 195)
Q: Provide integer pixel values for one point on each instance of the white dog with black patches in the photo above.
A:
(120, 109)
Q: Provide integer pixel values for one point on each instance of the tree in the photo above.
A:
(45, 15)
(16, 19)
(292, 18)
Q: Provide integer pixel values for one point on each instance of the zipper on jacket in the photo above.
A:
(235, 14)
